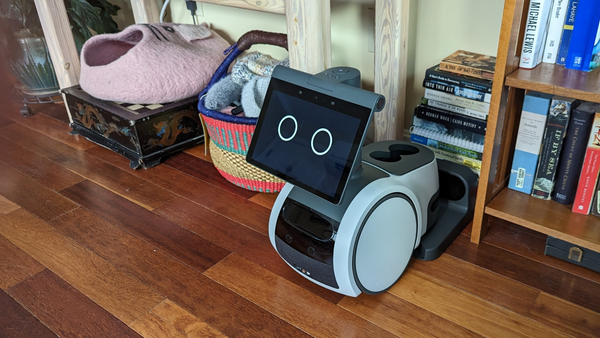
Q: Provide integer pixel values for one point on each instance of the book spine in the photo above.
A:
(555, 29)
(589, 171)
(459, 80)
(456, 100)
(458, 134)
(571, 158)
(466, 70)
(455, 109)
(560, 110)
(529, 140)
(457, 90)
(471, 163)
(449, 144)
(565, 40)
(535, 33)
(450, 119)
(595, 209)
(584, 35)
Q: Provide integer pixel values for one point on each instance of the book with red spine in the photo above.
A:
(589, 171)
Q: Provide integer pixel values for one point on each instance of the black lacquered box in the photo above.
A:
(572, 253)
(143, 133)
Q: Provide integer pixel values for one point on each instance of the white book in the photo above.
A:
(458, 110)
(555, 29)
(536, 29)
(437, 95)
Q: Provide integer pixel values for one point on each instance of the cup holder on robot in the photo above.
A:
(395, 153)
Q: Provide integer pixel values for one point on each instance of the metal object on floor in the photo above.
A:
(28, 97)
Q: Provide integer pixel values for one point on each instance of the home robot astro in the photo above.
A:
(351, 217)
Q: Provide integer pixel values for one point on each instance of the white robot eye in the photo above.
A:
(312, 142)
(287, 134)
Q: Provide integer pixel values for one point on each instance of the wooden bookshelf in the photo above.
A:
(494, 199)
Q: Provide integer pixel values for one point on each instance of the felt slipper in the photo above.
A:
(151, 63)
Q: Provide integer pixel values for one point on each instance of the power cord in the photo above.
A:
(191, 5)
(163, 11)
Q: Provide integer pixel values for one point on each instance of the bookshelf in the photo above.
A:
(494, 199)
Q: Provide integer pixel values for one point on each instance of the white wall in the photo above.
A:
(437, 29)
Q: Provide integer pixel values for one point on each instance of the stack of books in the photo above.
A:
(557, 151)
(452, 117)
(563, 32)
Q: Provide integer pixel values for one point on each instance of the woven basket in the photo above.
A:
(231, 135)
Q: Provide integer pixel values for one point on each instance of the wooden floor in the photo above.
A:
(91, 248)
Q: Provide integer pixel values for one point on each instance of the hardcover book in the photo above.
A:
(455, 109)
(589, 171)
(585, 47)
(535, 33)
(595, 209)
(565, 39)
(574, 146)
(437, 95)
(471, 163)
(558, 118)
(452, 131)
(450, 120)
(529, 140)
(555, 29)
(471, 64)
(445, 142)
(463, 81)
(457, 90)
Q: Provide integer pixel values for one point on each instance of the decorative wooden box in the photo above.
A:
(572, 253)
(142, 133)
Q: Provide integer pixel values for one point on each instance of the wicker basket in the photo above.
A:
(231, 135)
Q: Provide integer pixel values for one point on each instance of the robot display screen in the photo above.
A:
(308, 138)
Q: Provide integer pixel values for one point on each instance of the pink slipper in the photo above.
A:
(151, 63)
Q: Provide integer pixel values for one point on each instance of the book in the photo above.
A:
(555, 29)
(556, 126)
(457, 90)
(452, 131)
(455, 109)
(585, 36)
(536, 27)
(529, 139)
(463, 81)
(565, 39)
(444, 142)
(471, 64)
(471, 163)
(589, 170)
(437, 95)
(571, 158)
(450, 119)
(595, 209)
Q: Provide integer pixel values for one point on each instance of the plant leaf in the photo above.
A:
(89, 15)
(105, 6)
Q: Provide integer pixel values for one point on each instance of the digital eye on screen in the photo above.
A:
(321, 139)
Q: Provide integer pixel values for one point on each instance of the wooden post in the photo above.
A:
(391, 39)
(308, 39)
(57, 31)
(145, 11)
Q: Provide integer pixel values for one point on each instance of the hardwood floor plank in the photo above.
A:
(121, 182)
(57, 111)
(529, 272)
(169, 315)
(402, 318)
(37, 167)
(235, 237)
(566, 316)
(119, 293)
(290, 302)
(467, 310)
(16, 322)
(485, 284)
(190, 248)
(265, 199)
(531, 244)
(31, 195)
(210, 302)
(223, 202)
(206, 172)
(65, 310)
(200, 151)
(6, 206)
(15, 265)
(5, 122)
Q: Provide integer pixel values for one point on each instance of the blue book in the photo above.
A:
(565, 40)
(585, 31)
(529, 141)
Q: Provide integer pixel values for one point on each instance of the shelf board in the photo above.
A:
(548, 217)
(558, 80)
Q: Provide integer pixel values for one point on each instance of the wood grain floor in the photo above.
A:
(91, 248)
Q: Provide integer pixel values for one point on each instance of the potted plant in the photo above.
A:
(25, 48)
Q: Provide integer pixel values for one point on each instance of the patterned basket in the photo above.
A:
(231, 135)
